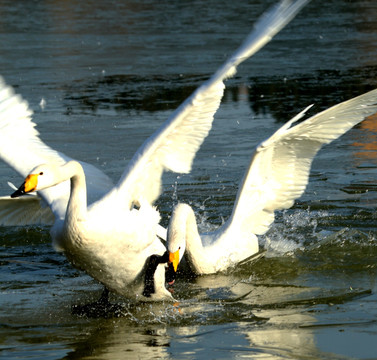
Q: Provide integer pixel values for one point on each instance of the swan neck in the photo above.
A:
(77, 204)
(183, 229)
(193, 241)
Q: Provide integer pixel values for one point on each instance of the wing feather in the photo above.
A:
(174, 145)
(279, 170)
(26, 210)
(22, 149)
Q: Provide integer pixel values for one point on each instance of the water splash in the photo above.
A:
(204, 217)
(291, 231)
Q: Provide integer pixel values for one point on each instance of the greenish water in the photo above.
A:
(111, 73)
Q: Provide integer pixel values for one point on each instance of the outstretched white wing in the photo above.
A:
(279, 170)
(26, 210)
(22, 149)
(174, 145)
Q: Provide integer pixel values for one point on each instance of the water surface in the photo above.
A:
(110, 72)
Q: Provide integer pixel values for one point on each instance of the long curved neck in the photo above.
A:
(77, 204)
(183, 229)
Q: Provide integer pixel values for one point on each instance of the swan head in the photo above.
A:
(176, 255)
(176, 246)
(174, 259)
(182, 228)
(41, 177)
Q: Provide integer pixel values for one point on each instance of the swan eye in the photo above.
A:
(41, 173)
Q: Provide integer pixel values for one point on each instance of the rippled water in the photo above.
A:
(110, 73)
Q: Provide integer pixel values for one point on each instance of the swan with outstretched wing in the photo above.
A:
(110, 231)
(277, 175)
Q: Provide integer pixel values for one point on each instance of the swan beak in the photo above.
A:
(174, 259)
(29, 185)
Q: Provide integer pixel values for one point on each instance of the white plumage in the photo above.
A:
(109, 238)
(277, 175)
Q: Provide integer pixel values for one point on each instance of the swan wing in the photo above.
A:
(26, 210)
(279, 169)
(174, 145)
(22, 149)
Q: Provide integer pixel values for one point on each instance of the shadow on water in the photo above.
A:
(281, 97)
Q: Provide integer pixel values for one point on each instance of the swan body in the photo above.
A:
(277, 175)
(110, 231)
(84, 233)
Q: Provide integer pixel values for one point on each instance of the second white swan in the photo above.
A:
(276, 176)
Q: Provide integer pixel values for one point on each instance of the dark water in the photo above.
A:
(110, 72)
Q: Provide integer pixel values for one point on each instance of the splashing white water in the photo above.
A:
(291, 231)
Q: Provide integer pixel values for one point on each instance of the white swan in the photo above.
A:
(276, 176)
(110, 239)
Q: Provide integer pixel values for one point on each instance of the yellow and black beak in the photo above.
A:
(174, 259)
(172, 267)
(29, 185)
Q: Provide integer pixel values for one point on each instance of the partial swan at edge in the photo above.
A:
(110, 238)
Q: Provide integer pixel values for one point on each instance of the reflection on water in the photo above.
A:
(110, 73)
(131, 92)
(271, 309)
(282, 97)
(194, 326)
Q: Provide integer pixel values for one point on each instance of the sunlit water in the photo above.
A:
(109, 74)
